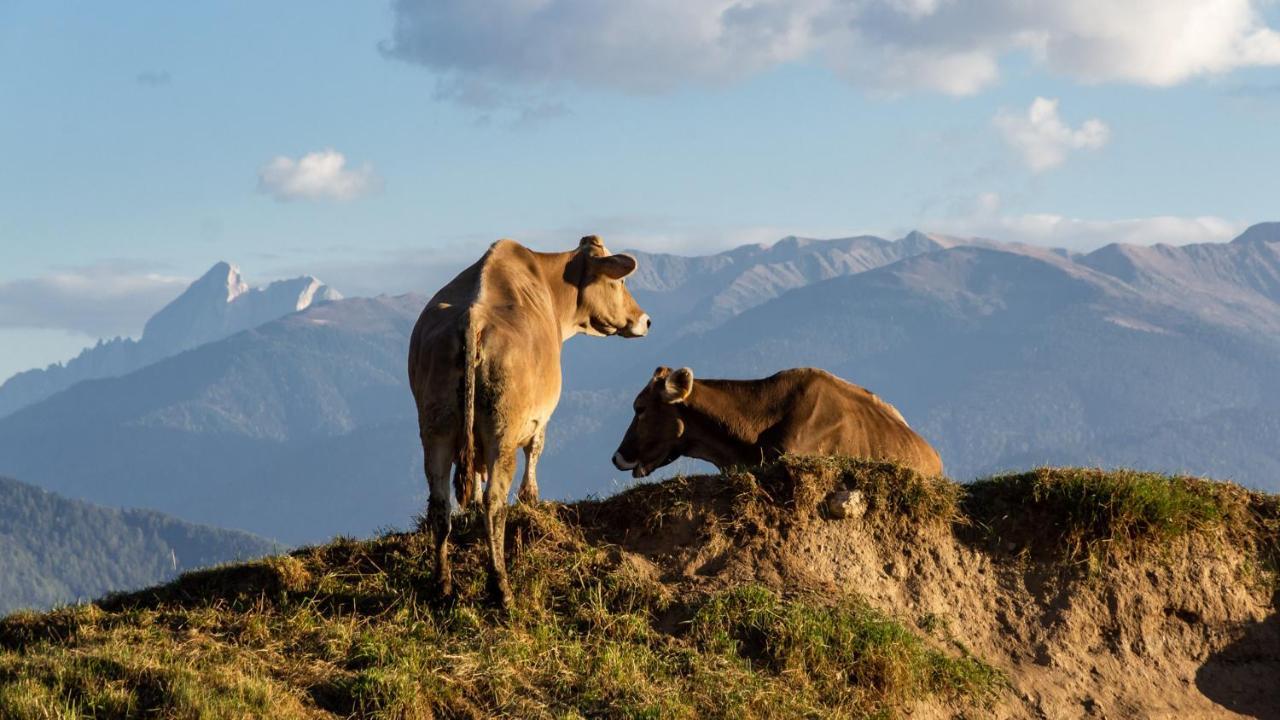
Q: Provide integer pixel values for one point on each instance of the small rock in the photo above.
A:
(846, 504)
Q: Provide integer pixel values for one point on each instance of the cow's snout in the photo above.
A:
(639, 327)
(622, 463)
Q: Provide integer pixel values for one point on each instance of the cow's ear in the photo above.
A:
(661, 373)
(677, 386)
(614, 266)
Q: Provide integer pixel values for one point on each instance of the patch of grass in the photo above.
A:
(1081, 513)
(847, 656)
(342, 630)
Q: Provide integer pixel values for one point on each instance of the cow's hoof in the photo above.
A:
(443, 603)
(528, 498)
(500, 596)
(441, 593)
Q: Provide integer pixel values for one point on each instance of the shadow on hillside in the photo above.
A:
(1242, 676)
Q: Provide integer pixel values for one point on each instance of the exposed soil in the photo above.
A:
(1184, 628)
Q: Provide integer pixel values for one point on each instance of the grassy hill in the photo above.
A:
(1053, 593)
(55, 550)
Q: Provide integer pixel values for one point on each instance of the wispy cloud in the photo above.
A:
(1042, 139)
(101, 300)
(647, 46)
(322, 175)
(987, 218)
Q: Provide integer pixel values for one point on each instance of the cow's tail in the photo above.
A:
(465, 487)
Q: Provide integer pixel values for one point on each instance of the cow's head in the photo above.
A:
(656, 434)
(605, 306)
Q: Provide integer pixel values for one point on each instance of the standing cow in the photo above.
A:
(804, 411)
(484, 367)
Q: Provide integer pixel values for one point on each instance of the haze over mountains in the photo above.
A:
(215, 306)
(278, 428)
(1003, 355)
(55, 550)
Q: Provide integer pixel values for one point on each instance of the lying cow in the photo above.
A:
(748, 422)
(484, 367)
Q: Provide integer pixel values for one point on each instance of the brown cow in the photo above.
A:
(484, 367)
(747, 422)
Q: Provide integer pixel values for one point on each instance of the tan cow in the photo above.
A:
(747, 422)
(484, 367)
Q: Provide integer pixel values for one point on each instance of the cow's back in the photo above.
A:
(831, 416)
(503, 301)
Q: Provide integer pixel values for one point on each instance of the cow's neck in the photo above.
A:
(561, 278)
(723, 424)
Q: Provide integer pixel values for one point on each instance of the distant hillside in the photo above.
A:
(700, 292)
(54, 550)
(1234, 285)
(276, 430)
(687, 295)
(811, 588)
(215, 306)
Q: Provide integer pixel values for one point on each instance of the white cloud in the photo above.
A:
(1078, 234)
(886, 45)
(319, 175)
(1041, 137)
(988, 219)
(102, 300)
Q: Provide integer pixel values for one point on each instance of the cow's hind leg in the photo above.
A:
(501, 473)
(529, 484)
(438, 456)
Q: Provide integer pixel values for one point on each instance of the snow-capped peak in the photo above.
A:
(221, 303)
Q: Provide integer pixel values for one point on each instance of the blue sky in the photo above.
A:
(144, 141)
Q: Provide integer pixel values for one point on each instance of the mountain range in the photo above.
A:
(1003, 355)
(217, 305)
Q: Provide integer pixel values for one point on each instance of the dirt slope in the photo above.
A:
(1103, 615)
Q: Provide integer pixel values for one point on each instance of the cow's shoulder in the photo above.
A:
(486, 280)
(805, 374)
(506, 271)
(506, 248)
(508, 256)
(808, 379)
(819, 380)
